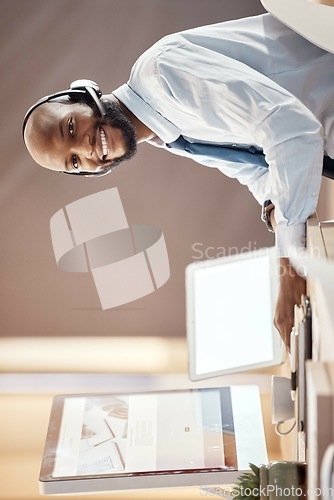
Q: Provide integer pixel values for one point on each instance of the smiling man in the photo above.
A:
(72, 137)
(249, 97)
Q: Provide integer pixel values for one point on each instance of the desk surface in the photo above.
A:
(308, 18)
(320, 243)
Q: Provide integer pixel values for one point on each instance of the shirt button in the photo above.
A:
(314, 194)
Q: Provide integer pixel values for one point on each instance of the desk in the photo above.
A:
(319, 390)
(311, 446)
(320, 243)
(311, 20)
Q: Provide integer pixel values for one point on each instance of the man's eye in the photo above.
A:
(70, 127)
(75, 162)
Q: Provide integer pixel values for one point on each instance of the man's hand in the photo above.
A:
(292, 287)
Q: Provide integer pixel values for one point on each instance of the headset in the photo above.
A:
(79, 90)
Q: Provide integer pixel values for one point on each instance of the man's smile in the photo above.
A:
(104, 150)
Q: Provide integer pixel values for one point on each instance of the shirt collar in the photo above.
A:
(163, 128)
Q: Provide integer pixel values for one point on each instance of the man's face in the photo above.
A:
(74, 138)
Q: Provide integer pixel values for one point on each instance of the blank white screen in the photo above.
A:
(233, 315)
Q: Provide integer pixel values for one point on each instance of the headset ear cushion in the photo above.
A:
(83, 84)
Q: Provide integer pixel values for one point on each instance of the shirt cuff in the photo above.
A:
(289, 238)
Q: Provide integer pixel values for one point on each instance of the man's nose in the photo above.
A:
(86, 148)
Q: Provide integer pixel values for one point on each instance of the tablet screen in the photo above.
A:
(141, 435)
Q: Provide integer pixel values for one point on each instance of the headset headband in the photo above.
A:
(85, 90)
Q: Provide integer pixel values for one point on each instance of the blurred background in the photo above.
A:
(45, 46)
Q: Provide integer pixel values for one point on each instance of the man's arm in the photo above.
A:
(291, 288)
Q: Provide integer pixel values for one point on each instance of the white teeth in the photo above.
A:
(105, 149)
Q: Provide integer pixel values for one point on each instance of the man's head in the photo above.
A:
(71, 136)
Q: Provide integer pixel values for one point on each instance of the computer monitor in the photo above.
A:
(230, 308)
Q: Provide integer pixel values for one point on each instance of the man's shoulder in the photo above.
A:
(147, 65)
(209, 36)
(162, 46)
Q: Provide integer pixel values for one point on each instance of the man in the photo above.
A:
(252, 85)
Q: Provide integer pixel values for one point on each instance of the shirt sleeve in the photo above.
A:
(293, 143)
(211, 92)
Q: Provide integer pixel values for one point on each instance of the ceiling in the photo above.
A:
(44, 46)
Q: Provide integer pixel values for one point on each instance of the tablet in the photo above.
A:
(106, 442)
(230, 309)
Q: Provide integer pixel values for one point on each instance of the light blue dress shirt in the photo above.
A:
(250, 81)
